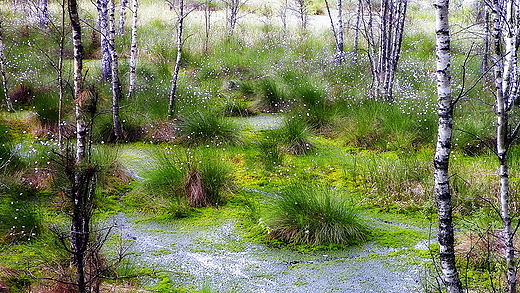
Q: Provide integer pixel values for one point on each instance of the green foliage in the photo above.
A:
(237, 107)
(166, 178)
(314, 215)
(9, 159)
(314, 105)
(206, 127)
(216, 178)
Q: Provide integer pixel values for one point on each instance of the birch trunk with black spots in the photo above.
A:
(443, 196)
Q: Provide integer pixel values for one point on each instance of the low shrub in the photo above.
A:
(314, 215)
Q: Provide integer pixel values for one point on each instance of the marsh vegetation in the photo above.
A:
(271, 138)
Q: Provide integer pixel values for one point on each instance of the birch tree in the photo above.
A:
(505, 59)
(80, 230)
(232, 9)
(133, 49)
(106, 58)
(122, 16)
(207, 24)
(180, 8)
(116, 84)
(61, 86)
(443, 196)
(384, 35)
(337, 30)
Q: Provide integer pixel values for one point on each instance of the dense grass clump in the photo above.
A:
(272, 95)
(206, 127)
(314, 215)
(189, 182)
(294, 135)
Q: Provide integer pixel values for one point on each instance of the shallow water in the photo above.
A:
(218, 258)
(262, 122)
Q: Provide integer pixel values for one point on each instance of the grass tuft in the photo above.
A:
(316, 216)
(206, 127)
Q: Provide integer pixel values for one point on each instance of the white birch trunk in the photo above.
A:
(359, 13)
(116, 85)
(79, 231)
(175, 76)
(133, 50)
(443, 195)
(122, 17)
(506, 85)
(207, 25)
(81, 128)
(340, 48)
(106, 59)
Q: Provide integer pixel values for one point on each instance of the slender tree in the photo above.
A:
(505, 59)
(441, 160)
(116, 84)
(124, 4)
(301, 7)
(357, 27)
(232, 9)
(61, 86)
(337, 30)
(384, 35)
(44, 15)
(80, 230)
(133, 49)
(180, 8)
(207, 24)
(106, 57)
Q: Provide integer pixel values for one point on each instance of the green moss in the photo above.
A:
(398, 237)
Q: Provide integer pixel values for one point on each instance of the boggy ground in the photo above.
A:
(218, 258)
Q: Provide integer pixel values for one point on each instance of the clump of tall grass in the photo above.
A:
(393, 182)
(189, 182)
(206, 127)
(314, 104)
(272, 95)
(314, 215)
(294, 135)
(269, 152)
(46, 106)
(311, 98)
(379, 125)
(237, 107)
